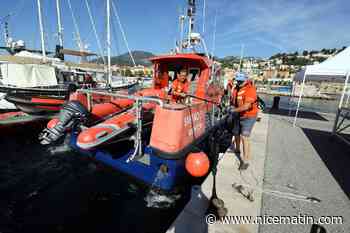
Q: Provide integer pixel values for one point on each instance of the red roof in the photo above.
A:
(203, 60)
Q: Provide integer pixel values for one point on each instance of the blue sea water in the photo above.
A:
(284, 89)
(307, 104)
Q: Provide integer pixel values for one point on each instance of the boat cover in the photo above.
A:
(27, 75)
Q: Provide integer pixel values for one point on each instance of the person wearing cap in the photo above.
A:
(180, 86)
(244, 103)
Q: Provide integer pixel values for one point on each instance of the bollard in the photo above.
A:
(276, 102)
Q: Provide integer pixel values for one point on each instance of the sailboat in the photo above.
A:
(148, 135)
(38, 84)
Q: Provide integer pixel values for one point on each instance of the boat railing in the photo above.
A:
(89, 93)
(138, 106)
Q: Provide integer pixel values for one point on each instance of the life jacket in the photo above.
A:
(242, 95)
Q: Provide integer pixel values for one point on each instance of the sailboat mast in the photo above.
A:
(41, 31)
(59, 25)
(109, 44)
(182, 21)
(191, 13)
(241, 58)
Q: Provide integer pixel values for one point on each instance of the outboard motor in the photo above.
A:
(73, 113)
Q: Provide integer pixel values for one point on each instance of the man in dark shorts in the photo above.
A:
(244, 103)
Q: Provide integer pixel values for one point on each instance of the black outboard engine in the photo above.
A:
(73, 113)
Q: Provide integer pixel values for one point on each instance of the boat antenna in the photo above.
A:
(41, 31)
(241, 59)
(191, 13)
(182, 18)
(193, 38)
(95, 31)
(214, 34)
(59, 24)
(123, 33)
(109, 72)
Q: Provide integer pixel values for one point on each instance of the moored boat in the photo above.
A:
(157, 135)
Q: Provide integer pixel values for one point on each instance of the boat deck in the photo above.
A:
(289, 164)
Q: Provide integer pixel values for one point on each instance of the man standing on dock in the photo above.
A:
(244, 102)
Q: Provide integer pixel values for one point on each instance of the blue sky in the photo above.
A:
(265, 27)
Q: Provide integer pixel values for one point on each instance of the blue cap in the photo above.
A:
(241, 77)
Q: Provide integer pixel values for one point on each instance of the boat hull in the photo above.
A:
(165, 174)
(41, 101)
(36, 105)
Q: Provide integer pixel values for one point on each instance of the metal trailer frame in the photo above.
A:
(343, 113)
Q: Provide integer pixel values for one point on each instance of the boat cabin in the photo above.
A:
(167, 68)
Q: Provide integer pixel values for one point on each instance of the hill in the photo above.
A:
(141, 58)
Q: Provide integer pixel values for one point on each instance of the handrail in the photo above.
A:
(132, 97)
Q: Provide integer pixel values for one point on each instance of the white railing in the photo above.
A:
(137, 105)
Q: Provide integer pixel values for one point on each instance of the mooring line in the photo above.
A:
(291, 196)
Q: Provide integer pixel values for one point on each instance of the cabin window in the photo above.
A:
(171, 75)
(193, 78)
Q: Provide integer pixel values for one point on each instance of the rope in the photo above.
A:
(95, 31)
(115, 38)
(214, 34)
(192, 123)
(123, 32)
(75, 26)
(286, 195)
(291, 196)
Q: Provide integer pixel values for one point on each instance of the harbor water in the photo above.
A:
(54, 190)
(307, 104)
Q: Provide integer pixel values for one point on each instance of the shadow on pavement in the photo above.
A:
(334, 153)
(301, 114)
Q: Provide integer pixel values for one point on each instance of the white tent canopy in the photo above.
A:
(336, 68)
(28, 75)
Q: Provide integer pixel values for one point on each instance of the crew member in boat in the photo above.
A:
(89, 81)
(180, 86)
(161, 80)
(244, 103)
